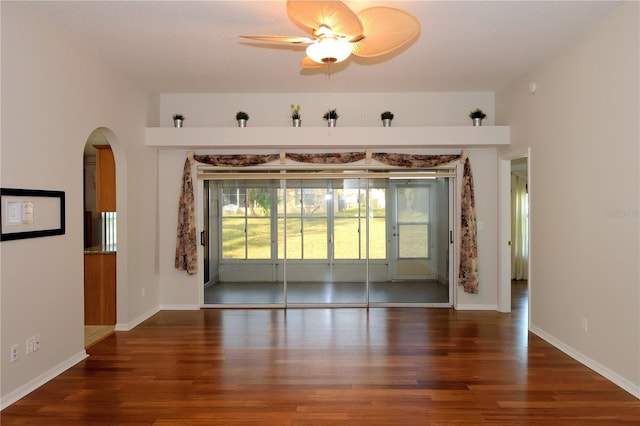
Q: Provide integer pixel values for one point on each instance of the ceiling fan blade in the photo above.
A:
(280, 39)
(307, 62)
(385, 29)
(310, 15)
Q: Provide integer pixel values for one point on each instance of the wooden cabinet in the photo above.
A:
(100, 288)
(105, 179)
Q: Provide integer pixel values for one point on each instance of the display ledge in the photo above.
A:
(323, 137)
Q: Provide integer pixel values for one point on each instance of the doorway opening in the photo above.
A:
(520, 229)
(514, 247)
(305, 240)
(100, 237)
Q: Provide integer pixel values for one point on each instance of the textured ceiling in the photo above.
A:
(193, 46)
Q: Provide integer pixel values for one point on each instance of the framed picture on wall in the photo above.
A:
(30, 213)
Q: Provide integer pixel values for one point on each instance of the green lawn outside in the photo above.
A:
(346, 237)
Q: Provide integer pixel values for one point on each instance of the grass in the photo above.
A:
(349, 243)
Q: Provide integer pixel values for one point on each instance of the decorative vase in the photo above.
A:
(332, 122)
(386, 122)
(242, 122)
(177, 122)
(297, 122)
(477, 122)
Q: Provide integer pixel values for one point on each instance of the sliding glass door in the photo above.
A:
(327, 241)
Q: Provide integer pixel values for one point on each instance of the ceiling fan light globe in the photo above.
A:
(329, 50)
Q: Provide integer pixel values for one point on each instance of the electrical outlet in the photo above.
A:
(15, 353)
(585, 325)
(36, 342)
(31, 342)
(143, 292)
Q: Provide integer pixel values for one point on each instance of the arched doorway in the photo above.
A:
(100, 236)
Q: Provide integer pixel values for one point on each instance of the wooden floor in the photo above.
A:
(382, 366)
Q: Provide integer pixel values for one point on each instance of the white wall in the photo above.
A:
(55, 92)
(178, 290)
(582, 125)
(361, 109)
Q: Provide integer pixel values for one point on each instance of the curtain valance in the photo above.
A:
(390, 159)
(186, 246)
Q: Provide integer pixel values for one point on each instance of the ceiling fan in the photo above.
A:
(337, 32)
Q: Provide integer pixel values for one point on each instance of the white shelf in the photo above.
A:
(327, 137)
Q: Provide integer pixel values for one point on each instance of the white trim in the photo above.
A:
(613, 377)
(179, 307)
(40, 380)
(473, 307)
(137, 321)
(335, 137)
(504, 235)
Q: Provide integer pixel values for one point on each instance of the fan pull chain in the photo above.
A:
(328, 79)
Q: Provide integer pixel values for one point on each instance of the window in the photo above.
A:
(306, 221)
(109, 227)
(413, 221)
(325, 219)
(351, 221)
(246, 223)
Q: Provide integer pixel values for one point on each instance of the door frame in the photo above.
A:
(504, 229)
(394, 230)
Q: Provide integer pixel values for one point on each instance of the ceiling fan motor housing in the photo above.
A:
(337, 31)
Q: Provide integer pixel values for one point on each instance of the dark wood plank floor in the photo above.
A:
(383, 366)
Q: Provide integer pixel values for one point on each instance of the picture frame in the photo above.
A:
(31, 213)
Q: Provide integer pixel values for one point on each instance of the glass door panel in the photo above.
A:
(325, 267)
(248, 273)
(419, 227)
(348, 226)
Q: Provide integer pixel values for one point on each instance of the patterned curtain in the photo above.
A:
(468, 273)
(413, 161)
(244, 160)
(328, 158)
(186, 245)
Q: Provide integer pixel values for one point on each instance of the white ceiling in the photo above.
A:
(193, 46)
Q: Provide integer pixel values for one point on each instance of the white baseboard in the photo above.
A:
(179, 307)
(142, 318)
(36, 382)
(613, 377)
(465, 307)
(137, 321)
